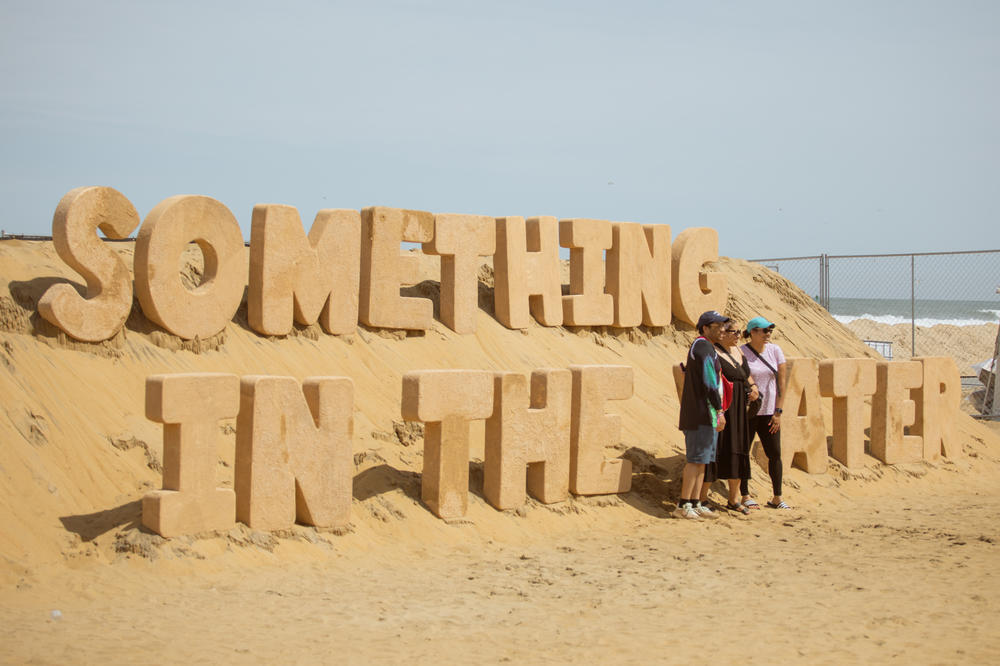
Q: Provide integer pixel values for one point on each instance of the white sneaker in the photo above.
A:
(704, 511)
(685, 511)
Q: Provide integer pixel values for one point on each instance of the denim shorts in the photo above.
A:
(700, 444)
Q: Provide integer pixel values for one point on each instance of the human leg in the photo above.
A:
(772, 449)
(734, 491)
(755, 427)
(734, 502)
(700, 449)
(691, 480)
(711, 476)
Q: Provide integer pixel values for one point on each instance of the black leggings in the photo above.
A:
(760, 426)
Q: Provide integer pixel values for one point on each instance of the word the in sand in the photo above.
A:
(553, 439)
(349, 268)
(923, 395)
(293, 443)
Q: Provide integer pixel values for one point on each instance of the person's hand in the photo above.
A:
(720, 424)
(754, 393)
(775, 423)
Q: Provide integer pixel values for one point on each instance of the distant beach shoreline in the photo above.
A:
(926, 313)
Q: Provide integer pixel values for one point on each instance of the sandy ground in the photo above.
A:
(904, 576)
(967, 344)
(879, 564)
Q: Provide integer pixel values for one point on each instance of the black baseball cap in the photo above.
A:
(711, 317)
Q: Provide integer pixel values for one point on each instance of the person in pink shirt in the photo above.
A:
(767, 367)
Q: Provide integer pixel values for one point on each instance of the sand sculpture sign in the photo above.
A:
(294, 450)
(349, 269)
(546, 434)
(294, 459)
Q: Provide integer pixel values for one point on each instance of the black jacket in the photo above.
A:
(701, 400)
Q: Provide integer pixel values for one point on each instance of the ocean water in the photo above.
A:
(928, 312)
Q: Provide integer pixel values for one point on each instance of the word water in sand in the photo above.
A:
(922, 395)
(294, 459)
(349, 268)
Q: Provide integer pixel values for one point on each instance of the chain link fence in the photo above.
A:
(918, 304)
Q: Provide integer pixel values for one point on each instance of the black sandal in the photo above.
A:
(738, 507)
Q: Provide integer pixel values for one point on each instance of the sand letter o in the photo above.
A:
(165, 234)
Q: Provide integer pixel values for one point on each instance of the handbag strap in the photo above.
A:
(769, 367)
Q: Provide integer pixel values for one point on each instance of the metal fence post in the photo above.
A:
(826, 280)
(913, 305)
(819, 296)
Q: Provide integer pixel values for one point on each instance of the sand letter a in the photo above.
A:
(803, 437)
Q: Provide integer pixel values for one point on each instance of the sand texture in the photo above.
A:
(967, 344)
(880, 564)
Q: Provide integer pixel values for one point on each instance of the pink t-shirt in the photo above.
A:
(767, 383)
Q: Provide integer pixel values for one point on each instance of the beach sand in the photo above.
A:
(967, 344)
(881, 564)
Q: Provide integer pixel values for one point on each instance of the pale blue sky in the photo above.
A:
(792, 127)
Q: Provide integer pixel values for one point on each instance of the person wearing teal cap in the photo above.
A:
(767, 367)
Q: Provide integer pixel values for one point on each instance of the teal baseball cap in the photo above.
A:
(758, 322)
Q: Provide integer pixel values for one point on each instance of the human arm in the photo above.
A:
(753, 391)
(775, 423)
(710, 375)
(704, 357)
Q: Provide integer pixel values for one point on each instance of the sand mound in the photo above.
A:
(78, 454)
(967, 344)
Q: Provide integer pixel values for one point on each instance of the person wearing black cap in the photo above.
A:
(702, 415)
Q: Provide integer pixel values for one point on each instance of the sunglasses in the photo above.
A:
(729, 330)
